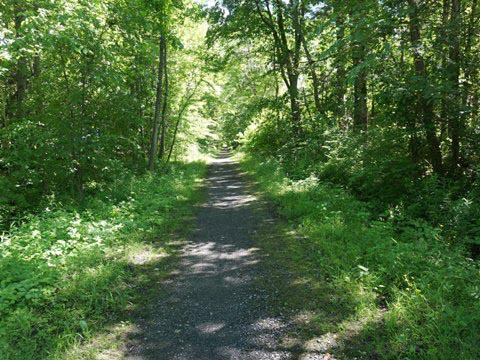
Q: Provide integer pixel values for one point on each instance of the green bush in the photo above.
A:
(377, 170)
(65, 273)
(429, 289)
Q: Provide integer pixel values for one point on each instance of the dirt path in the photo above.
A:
(214, 308)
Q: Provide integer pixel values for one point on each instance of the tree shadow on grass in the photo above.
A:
(321, 313)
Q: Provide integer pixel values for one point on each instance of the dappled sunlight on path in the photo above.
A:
(215, 306)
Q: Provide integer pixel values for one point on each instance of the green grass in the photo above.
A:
(385, 292)
(69, 276)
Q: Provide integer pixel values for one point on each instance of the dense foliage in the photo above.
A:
(78, 81)
(80, 86)
(365, 114)
(380, 98)
(405, 293)
(65, 273)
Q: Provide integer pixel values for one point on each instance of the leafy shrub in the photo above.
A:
(429, 289)
(377, 170)
(64, 273)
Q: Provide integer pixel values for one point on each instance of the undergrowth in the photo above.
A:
(425, 290)
(66, 273)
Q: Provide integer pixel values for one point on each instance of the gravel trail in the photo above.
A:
(214, 308)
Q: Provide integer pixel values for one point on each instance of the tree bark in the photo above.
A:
(288, 58)
(21, 68)
(291, 57)
(424, 106)
(340, 69)
(183, 108)
(453, 71)
(360, 109)
(470, 65)
(165, 103)
(158, 102)
(311, 66)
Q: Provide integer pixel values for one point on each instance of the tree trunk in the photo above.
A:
(37, 68)
(291, 58)
(311, 67)
(3, 108)
(288, 58)
(165, 103)
(21, 69)
(158, 102)
(453, 73)
(183, 108)
(340, 69)
(424, 106)
(470, 68)
(294, 103)
(360, 109)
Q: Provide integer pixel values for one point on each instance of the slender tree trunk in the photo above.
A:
(444, 107)
(340, 69)
(453, 71)
(158, 103)
(179, 118)
(37, 68)
(165, 103)
(424, 106)
(173, 140)
(21, 69)
(3, 109)
(360, 109)
(469, 65)
(288, 58)
(294, 103)
(311, 67)
(291, 58)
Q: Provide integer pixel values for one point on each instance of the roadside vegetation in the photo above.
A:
(69, 272)
(104, 126)
(400, 289)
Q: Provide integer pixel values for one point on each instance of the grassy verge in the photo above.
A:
(68, 277)
(370, 290)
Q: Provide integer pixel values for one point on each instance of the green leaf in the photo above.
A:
(83, 325)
